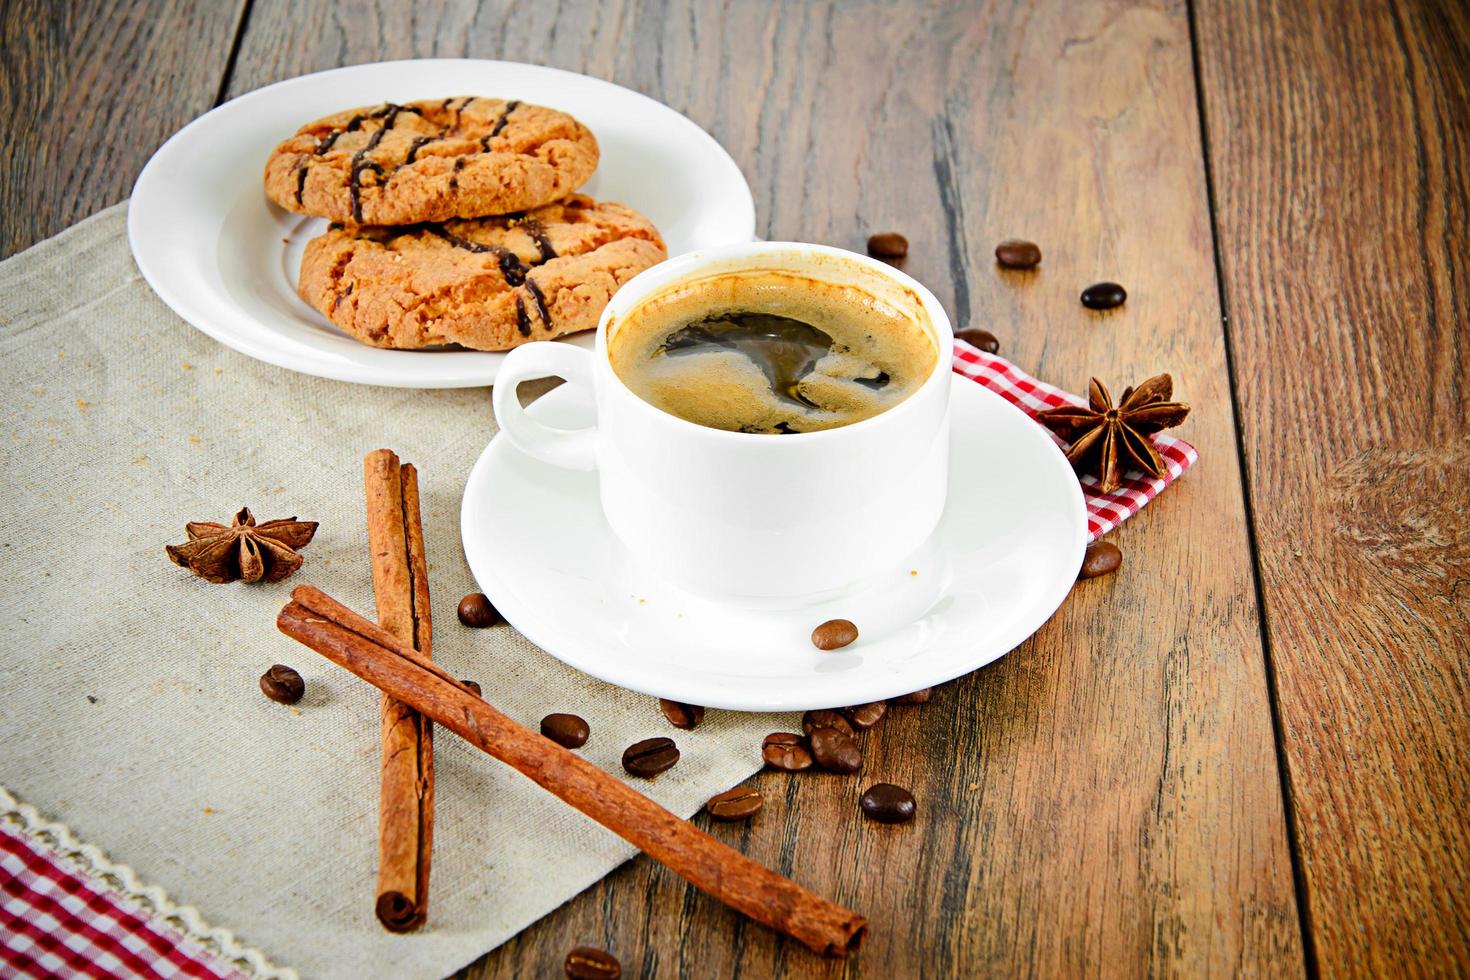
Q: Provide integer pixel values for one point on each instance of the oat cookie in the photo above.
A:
(461, 157)
(484, 283)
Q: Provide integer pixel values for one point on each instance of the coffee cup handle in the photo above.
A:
(572, 448)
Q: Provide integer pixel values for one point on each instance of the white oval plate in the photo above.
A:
(226, 259)
(1005, 555)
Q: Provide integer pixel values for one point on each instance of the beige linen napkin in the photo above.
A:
(130, 707)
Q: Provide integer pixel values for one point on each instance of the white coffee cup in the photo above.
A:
(740, 515)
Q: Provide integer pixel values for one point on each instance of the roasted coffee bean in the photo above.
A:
(282, 684)
(983, 339)
(786, 750)
(681, 715)
(865, 716)
(740, 803)
(834, 634)
(1101, 558)
(568, 731)
(1014, 253)
(914, 697)
(887, 803)
(475, 611)
(473, 686)
(1103, 296)
(826, 718)
(590, 963)
(836, 752)
(888, 245)
(650, 757)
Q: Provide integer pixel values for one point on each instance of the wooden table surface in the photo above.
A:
(1247, 751)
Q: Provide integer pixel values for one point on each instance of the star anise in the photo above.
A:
(244, 550)
(1105, 439)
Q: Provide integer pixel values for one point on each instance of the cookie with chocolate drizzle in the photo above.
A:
(436, 160)
(482, 283)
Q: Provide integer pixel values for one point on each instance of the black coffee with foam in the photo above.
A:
(771, 353)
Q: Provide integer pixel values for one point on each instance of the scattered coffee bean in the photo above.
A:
(473, 686)
(786, 750)
(888, 245)
(568, 731)
(836, 752)
(915, 697)
(887, 803)
(1103, 296)
(91, 699)
(282, 684)
(865, 716)
(1101, 558)
(681, 715)
(983, 339)
(834, 634)
(650, 757)
(590, 963)
(826, 718)
(740, 803)
(476, 612)
(1014, 253)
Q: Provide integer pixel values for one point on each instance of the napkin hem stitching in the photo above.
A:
(122, 880)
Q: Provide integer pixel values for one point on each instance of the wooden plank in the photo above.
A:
(91, 88)
(1340, 149)
(1105, 798)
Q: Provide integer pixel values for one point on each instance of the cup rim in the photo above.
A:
(645, 283)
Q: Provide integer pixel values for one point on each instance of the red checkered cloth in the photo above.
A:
(1105, 511)
(56, 921)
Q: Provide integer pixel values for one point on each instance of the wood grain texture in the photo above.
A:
(1340, 151)
(1105, 798)
(89, 89)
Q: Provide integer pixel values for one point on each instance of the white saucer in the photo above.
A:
(226, 259)
(1004, 556)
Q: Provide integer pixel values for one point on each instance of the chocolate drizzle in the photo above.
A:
(458, 241)
(533, 228)
(540, 299)
(511, 266)
(356, 185)
(523, 322)
(418, 143)
(391, 117)
(391, 110)
(499, 125)
(458, 110)
(523, 319)
(322, 146)
(504, 117)
(389, 113)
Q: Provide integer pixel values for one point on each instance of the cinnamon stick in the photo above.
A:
(370, 652)
(406, 798)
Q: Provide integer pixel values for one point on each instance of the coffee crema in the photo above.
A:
(771, 352)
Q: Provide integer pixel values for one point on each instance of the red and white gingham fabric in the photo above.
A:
(1105, 511)
(56, 921)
